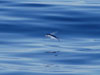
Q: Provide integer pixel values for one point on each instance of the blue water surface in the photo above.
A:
(24, 49)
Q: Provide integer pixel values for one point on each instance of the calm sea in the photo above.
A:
(24, 49)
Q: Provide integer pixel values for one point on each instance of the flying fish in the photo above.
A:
(52, 36)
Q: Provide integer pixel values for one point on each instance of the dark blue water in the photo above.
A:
(24, 49)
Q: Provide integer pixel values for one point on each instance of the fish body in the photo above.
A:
(51, 36)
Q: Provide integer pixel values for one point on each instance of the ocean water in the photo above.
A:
(24, 49)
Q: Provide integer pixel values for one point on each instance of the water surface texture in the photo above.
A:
(24, 49)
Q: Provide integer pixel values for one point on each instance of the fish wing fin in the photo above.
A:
(53, 33)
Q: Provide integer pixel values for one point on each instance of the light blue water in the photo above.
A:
(24, 49)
